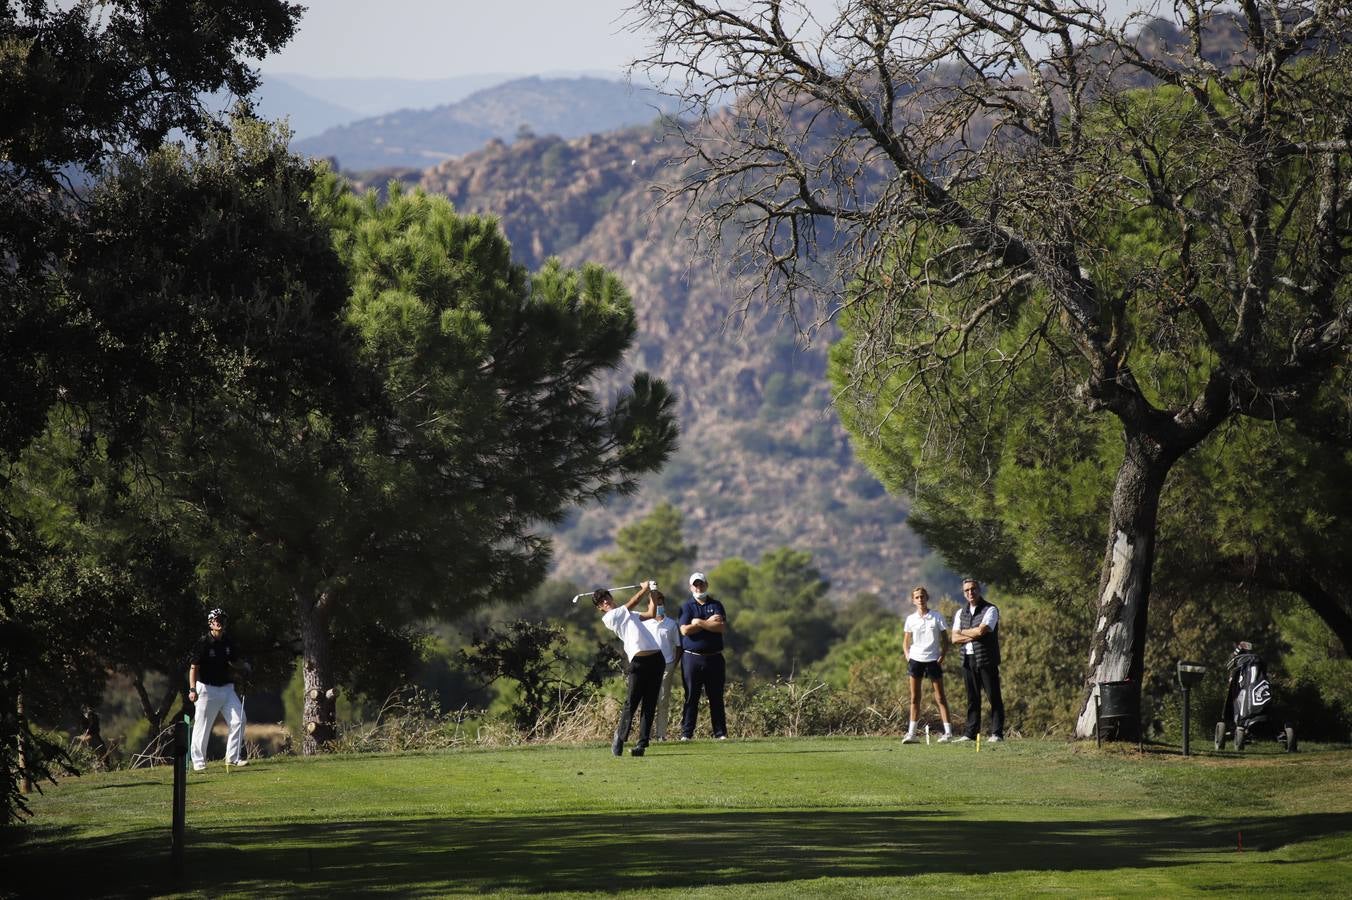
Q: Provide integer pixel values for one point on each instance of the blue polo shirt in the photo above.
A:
(702, 641)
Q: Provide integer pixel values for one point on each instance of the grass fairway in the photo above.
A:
(819, 817)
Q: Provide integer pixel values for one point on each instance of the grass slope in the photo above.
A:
(822, 817)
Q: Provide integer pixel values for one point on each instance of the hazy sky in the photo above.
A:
(444, 38)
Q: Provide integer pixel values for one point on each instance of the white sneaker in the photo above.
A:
(945, 738)
(994, 739)
(199, 768)
(909, 739)
(959, 740)
(240, 763)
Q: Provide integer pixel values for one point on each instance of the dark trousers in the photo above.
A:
(707, 674)
(645, 680)
(987, 678)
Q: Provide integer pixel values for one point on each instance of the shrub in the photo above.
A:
(409, 720)
(792, 708)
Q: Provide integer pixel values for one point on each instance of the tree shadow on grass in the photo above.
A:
(610, 852)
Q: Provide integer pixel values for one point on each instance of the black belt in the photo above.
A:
(712, 653)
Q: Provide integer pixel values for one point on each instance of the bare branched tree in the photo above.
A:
(933, 168)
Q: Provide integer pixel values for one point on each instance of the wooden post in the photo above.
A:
(180, 793)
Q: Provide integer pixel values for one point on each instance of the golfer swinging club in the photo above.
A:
(645, 664)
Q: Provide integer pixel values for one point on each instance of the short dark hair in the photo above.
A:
(967, 581)
(599, 596)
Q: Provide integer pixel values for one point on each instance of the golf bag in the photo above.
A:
(1248, 702)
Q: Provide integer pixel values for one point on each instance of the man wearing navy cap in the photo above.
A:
(703, 622)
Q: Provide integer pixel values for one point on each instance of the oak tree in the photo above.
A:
(941, 169)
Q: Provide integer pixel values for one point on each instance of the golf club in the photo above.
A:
(623, 587)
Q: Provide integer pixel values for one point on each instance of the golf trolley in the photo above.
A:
(1248, 703)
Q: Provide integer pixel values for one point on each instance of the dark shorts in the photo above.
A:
(931, 670)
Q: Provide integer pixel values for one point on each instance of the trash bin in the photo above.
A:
(1118, 702)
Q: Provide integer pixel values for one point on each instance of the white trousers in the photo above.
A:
(670, 675)
(214, 699)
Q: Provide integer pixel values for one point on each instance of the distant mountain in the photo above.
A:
(567, 107)
(308, 114)
(377, 96)
(764, 461)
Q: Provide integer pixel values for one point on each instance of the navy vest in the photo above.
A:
(985, 650)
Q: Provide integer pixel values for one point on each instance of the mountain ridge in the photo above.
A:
(764, 461)
(417, 138)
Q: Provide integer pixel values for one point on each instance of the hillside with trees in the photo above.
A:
(763, 462)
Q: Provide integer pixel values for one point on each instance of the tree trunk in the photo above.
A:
(153, 716)
(1117, 650)
(320, 719)
(25, 751)
(161, 739)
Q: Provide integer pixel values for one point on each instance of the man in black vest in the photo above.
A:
(976, 632)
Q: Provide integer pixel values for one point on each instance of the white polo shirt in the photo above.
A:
(927, 631)
(626, 623)
(668, 636)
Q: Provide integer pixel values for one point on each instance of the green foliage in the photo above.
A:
(795, 708)
(409, 721)
(1315, 687)
(1041, 669)
(84, 86)
(1011, 475)
(199, 275)
(654, 547)
(779, 613)
(779, 616)
(533, 656)
(474, 418)
(870, 664)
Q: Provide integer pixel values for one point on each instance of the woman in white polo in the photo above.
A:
(925, 642)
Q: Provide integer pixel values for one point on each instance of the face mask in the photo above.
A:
(700, 595)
